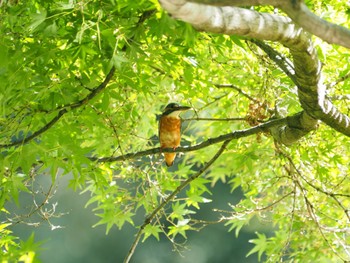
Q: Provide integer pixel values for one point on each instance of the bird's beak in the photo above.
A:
(183, 108)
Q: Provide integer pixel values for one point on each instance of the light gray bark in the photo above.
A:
(300, 14)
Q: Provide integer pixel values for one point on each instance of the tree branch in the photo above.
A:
(63, 110)
(150, 218)
(216, 119)
(329, 32)
(230, 136)
(300, 14)
(94, 92)
(223, 86)
(297, 127)
(310, 206)
(288, 124)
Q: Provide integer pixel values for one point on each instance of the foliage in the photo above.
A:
(55, 115)
(12, 250)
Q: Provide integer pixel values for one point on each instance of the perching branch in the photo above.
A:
(150, 218)
(288, 124)
(63, 110)
(216, 119)
(230, 136)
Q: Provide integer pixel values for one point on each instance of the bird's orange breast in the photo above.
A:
(169, 136)
(169, 132)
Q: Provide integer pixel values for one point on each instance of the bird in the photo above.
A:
(170, 129)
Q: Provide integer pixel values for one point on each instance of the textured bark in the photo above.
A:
(297, 127)
(300, 14)
(263, 26)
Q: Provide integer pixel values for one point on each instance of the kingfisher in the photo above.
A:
(170, 129)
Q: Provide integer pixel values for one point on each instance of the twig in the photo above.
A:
(314, 217)
(234, 214)
(255, 210)
(213, 101)
(37, 208)
(319, 189)
(341, 79)
(149, 218)
(231, 86)
(340, 97)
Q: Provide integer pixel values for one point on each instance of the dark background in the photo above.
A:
(77, 241)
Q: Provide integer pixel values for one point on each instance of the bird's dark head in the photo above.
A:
(174, 110)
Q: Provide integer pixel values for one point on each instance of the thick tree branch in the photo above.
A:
(297, 127)
(150, 218)
(299, 13)
(329, 32)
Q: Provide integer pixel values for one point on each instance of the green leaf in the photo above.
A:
(37, 19)
(179, 211)
(151, 230)
(260, 245)
(118, 60)
(4, 226)
(237, 223)
(180, 228)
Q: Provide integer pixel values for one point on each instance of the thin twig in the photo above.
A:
(319, 189)
(231, 86)
(37, 208)
(250, 211)
(149, 218)
(341, 79)
(340, 97)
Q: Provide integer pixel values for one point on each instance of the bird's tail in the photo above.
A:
(169, 158)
